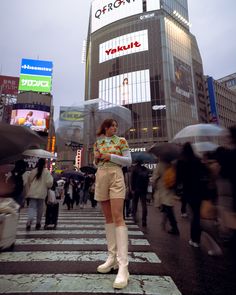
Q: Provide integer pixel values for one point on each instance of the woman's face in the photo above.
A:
(112, 129)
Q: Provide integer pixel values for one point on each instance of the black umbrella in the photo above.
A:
(72, 174)
(15, 140)
(143, 157)
(88, 169)
(167, 151)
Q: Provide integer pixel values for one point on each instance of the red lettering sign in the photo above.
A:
(120, 48)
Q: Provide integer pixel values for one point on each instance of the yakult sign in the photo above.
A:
(108, 11)
(123, 45)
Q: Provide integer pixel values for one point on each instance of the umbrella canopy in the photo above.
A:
(143, 157)
(88, 169)
(73, 174)
(204, 146)
(200, 131)
(119, 113)
(15, 140)
(39, 153)
(167, 151)
(97, 110)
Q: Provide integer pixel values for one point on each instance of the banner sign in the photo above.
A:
(36, 67)
(123, 45)
(9, 85)
(36, 75)
(35, 83)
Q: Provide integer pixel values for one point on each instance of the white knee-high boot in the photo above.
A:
(122, 277)
(111, 262)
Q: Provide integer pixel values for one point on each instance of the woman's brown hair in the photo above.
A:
(105, 124)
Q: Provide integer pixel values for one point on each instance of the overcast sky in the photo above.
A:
(54, 30)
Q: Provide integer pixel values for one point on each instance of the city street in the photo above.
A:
(64, 260)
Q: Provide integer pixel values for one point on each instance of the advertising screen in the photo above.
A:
(123, 45)
(9, 85)
(183, 80)
(128, 88)
(108, 11)
(36, 75)
(35, 117)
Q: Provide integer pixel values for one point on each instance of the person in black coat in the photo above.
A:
(139, 185)
(190, 174)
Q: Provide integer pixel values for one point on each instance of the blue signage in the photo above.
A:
(212, 99)
(36, 67)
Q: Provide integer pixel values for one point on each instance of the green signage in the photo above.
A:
(35, 83)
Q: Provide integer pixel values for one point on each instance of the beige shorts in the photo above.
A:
(109, 184)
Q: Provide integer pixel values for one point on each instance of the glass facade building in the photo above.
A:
(141, 54)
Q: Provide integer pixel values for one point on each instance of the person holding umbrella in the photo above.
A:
(110, 154)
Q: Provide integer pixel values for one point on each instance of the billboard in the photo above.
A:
(123, 45)
(128, 88)
(9, 85)
(36, 75)
(183, 85)
(109, 11)
(35, 117)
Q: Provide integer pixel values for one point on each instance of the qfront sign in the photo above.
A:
(105, 12)
(123, 45)
(36, 75)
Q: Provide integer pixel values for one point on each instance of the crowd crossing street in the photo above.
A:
(64, 260)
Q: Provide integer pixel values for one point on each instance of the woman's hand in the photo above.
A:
(105, 157)
(97, 157)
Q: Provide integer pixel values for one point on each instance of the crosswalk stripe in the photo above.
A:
(68, 220)
(72, 232)
(79, 226)
(138, 257)
(74, 241)
(85, 283)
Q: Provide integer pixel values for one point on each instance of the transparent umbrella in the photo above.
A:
(200, 132)
(97, 110)
(39, 153)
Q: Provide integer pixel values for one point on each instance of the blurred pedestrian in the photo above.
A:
(139, 185)
(84, 193)
(164, 195)
(190, 174)
(110, 154)
(40, 180)
(70, 193)
(17, 181)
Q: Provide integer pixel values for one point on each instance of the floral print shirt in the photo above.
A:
(113, 145)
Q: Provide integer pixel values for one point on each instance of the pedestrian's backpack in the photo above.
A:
(169, 177)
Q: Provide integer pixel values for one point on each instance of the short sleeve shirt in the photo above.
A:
(113, 145)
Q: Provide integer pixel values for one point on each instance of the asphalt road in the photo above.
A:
(64, 261)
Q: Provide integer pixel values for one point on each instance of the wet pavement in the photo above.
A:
(64, 260)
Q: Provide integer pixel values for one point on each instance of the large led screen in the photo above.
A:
(183, 85)
(129, 88)
(35, 117)
(123, 45)
(108, 11)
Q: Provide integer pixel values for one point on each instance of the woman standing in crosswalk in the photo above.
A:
(110, 154)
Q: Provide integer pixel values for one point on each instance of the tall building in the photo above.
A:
(229, 81)
(141, 54)
(222, 103)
